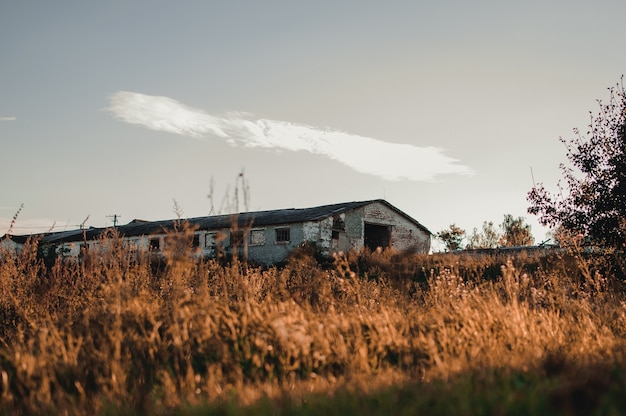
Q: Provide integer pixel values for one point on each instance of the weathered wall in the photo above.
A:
(269, 251)
(273, 251)
(9, 246)
(405, 234)
(325, 239)
(354, 229)
(341, 232)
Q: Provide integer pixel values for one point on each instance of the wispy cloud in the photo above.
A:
(7, 118)
(391, 161)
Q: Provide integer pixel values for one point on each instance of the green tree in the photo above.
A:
(451, 237)
(592, 202)
(515, 232)
(489, 237)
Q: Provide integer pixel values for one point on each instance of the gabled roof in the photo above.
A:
(243, 219)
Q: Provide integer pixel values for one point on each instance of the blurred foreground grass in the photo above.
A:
(124, 332)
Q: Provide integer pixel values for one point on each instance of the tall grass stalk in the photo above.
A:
(116, 329)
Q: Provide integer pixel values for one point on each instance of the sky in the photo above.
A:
(449, 110)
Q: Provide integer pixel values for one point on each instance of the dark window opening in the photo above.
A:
(377, 236)
(154, 244)
(283, 235)
(339, 226)
(196, 241)
(338, 223)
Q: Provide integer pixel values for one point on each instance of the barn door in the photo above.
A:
(377, 235)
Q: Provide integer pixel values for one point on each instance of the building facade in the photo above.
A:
(267, 237)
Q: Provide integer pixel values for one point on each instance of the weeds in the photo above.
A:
(112, 331)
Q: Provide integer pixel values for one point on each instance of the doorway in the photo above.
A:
(377, 236)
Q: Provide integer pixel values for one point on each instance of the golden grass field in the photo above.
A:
(118, 333)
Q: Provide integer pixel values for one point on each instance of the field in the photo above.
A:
(121, 332)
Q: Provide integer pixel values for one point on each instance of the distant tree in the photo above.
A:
(489, 237)
(592, 203)
(473, 241)
(452, 237)
(515, 232)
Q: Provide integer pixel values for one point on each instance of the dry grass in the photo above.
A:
(113, 331)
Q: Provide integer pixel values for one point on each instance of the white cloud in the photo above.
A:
(391, 161)
(7, 118)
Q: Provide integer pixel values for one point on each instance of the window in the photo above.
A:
(155, 243)
(338, 223)
(209, 240)
(196, 241)
(339, 226)
(257, 237)
(283, 235)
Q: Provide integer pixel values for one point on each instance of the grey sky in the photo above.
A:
(490, 85)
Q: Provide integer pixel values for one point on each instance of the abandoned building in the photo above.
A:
(267, 237)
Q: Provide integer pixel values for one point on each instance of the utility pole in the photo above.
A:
(115, 218)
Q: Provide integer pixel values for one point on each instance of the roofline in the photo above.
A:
(162, 226)
(404, 214)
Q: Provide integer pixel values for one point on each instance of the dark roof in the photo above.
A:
(243, 219)
(58, 236)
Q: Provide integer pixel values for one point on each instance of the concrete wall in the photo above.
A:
(263, 248)
(405, 234)
(8, 246)
(273, 251)
(342, 232)
(262, 245)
